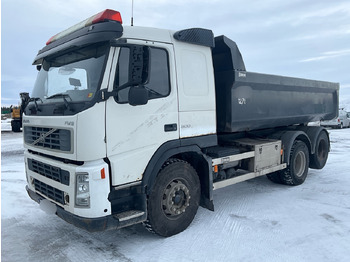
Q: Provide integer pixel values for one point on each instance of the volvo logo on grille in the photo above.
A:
(43, 136)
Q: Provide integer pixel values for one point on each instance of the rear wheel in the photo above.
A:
(275, 177)
(319, 159)
(16, 126)
(174, 199)
(296, 172)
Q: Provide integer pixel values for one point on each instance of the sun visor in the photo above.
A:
(197, 36)
(87, 35)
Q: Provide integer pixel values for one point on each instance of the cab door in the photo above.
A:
(134, 133)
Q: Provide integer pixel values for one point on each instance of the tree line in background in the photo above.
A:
(6, 110)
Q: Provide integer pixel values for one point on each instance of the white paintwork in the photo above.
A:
(148, 34)
(134, 133)
(196, 89)
(99, 188)
(90, 134)
(197, 123)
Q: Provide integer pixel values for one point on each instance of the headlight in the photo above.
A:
(82, 193)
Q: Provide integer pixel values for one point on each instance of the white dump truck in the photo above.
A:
(130, 124)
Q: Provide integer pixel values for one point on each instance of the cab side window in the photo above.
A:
(158, 81)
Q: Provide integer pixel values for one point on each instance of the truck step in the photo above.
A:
(128, 215)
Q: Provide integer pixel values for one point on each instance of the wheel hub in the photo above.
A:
(176, 198)
(299, 164)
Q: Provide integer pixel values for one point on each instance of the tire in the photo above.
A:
(296, 172)
(174, 199)
(319, 159)
(275, 177)
(16, 126)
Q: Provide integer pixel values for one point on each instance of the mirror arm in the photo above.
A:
(104, 94)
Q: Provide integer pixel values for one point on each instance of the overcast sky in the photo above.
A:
(307, 39)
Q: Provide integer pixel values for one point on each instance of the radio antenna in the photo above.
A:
(132, 12)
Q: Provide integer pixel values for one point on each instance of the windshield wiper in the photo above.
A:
(63, 95)
(64, 99)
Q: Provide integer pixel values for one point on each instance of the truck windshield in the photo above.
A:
(72, 77)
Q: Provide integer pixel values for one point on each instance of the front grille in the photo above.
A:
(52, 172)
(49, 138)
(49, 191)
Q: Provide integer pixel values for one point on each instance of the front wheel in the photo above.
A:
(174, 199)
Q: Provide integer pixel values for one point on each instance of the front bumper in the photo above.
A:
(56, 181)
(95, 224)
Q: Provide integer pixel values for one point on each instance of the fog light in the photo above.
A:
(66, 198)
(82, 194)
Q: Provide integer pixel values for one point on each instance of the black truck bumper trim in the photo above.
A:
(96, 224)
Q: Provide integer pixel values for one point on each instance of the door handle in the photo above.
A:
(170, 127)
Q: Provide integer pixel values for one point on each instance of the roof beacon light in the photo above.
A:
(106, 15)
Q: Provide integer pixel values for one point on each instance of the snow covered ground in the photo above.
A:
(253, 221)
(6, 124)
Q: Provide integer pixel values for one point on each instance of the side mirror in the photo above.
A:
(24, 99)
(138, 66)
(138, 95)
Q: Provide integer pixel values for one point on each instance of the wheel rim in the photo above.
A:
(176, 198)
(299, 163)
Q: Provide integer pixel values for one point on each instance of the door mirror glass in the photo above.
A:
(138, 95)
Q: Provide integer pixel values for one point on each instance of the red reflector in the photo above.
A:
(103, 175)
(107, 14)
